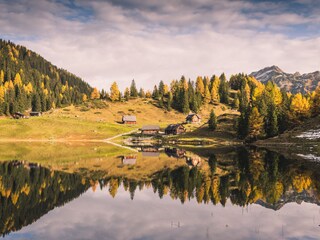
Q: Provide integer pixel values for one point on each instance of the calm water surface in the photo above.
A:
(240, 194)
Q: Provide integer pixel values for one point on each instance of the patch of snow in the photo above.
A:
(309, 157)
(261, 75)
(310, 135)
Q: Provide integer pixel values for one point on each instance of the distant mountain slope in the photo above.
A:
(28, 80)
(290, 82)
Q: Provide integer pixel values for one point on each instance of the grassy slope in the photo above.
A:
(288, 143)
(90, 158)
(96, 122)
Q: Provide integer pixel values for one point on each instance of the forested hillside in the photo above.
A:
(28, 81)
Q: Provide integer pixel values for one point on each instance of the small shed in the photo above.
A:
(150, 154)
(18, 115)
(150, 130)
(193, 118)
(175, 152)
(129, 119)
(193, 161)
(35, 114)
(129, 160)
(174, 129)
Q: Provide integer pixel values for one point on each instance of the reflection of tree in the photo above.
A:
(28, 191)
(253, 176)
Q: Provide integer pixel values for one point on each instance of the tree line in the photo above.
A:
(26, 194)
(29, 82)
(252, 176)
(265, 110)
(182, 95)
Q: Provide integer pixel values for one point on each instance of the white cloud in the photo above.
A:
(99, 216)
(153, 41)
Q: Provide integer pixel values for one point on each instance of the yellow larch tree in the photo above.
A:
(255, 123)
(2, 93)
(215, 97)
(95, 94)
(17, 80)
(1, 76)
(114, 92)
(300, 105)
(200, 86)
(84, 97)
(28, 88)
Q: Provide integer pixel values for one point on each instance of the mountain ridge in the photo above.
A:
(291, 82)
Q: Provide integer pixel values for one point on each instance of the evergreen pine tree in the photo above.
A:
(185, 102)
(142, 93)
(224, 89)
(36, 103)
(161, 88)
(133, 89)
(271, 123)
(212, 121)
(169, 103)
(127, 94)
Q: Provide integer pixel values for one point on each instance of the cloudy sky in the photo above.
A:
(149, 41)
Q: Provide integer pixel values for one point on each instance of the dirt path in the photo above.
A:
(120, 135)
(108, 140)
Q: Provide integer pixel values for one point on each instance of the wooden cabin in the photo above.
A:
(129, 160)
(175, 152)
(174, 129)
(150, 130)
(129, 119)
(150, 154)
(19, 115)
(193, 161)
(150, 149)
(35, 114)
(193, 118)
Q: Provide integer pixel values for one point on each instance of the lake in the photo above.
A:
(94, 191)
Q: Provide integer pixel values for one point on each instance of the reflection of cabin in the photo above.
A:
(150, 130)
(175, 152)
(35, 114)
(150, 149)
(193, 118)
(175, 129)
(19, 115)
(193, 161)
(128, 119)
(150, 154)
(129, 160)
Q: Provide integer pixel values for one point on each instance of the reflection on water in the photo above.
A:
(209, 195)
(29, 191)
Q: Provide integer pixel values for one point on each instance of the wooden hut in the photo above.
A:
(150, 130)
(150, 154)
(175, 152)
(35, 114)
(193, 161)
(129, 119)
(193, 118)
(18, 115)
(129, 160)
(174, 129)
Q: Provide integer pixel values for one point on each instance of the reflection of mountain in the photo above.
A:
(250, 176)
(28, 191)
(291, 197)
(243, 177)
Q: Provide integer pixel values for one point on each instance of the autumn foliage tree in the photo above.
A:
(114, 92)
(95, 94)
